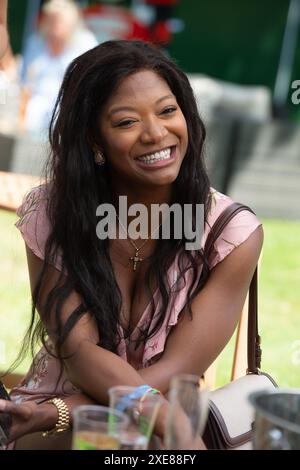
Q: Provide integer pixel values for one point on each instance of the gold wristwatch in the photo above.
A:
(63, 422)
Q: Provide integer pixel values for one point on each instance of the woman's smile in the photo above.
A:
(158, 159)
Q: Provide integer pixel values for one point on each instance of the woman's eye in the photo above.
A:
(169, 110)
(126, 123)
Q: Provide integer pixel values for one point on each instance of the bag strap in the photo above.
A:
(254, 350)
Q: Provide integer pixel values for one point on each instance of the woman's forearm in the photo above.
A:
(94, 370)
(30, 417)
(47, 415)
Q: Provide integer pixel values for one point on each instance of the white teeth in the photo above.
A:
(156, 157)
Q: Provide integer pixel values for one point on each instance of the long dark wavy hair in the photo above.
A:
(77, 186)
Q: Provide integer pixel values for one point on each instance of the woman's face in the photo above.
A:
(143, 131)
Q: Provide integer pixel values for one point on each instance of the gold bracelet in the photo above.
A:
(63, 422)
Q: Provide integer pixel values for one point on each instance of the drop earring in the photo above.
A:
(99, 157)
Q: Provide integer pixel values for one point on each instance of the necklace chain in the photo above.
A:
(136, 259)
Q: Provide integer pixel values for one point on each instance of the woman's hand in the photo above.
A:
(28, 417)
(182, 428)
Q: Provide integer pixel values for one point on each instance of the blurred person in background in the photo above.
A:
(3, 30)
(62, 36)
(9, 79)
(10, 96)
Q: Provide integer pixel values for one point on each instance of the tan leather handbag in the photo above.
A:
(230, 418)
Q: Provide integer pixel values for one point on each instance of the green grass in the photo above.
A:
(14, 291)
(279, 300)
(279, 305)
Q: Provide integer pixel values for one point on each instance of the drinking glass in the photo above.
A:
(187, 413)
(277, 419)
(97, 427)
(141, 413)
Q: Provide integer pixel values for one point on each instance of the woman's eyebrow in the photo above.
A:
(130, 108)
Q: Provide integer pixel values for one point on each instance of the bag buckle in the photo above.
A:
(257, 371)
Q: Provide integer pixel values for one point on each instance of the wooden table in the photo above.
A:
(13, 187)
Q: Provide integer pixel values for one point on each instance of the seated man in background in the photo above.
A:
(61, 37)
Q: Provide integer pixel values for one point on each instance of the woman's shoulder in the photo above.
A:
(33, 221)
(33, 202)
(236, 231)
(218, 203)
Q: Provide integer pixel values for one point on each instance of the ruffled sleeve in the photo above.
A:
(34, 224)
(235, 233)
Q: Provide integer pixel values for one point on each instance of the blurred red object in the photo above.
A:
(160, 28)
(161, 2)
(160, 33)
(113, 22)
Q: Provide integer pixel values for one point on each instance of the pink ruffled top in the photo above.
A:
(40, 381)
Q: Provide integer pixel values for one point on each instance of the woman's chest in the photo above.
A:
(136, 295)
(135, 299)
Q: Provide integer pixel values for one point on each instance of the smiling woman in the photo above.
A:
(125, 124)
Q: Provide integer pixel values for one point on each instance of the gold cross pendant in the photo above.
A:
(135, 259)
